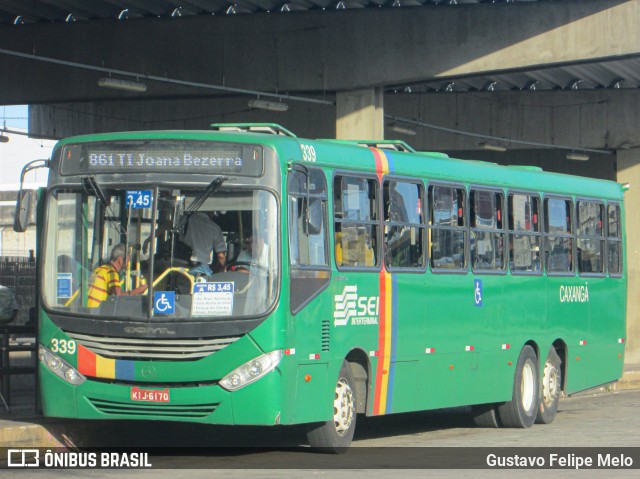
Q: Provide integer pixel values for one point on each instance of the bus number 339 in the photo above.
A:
(308, 153)
(63, 346)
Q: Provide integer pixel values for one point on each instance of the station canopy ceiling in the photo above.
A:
(613, 73)
(26, 11)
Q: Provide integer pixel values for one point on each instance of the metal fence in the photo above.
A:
(19, 274)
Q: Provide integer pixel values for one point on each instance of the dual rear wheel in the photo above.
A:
(533, 399)
(551, 388)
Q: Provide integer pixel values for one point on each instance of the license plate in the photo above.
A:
(149, 395)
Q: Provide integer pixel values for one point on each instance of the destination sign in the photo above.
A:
(162, 157)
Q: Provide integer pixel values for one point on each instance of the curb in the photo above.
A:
(27, 434)
(629, 380)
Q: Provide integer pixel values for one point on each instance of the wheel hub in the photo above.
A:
(343, 407)
(527, 387)
(550, 384)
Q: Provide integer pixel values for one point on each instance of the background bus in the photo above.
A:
(358, 280)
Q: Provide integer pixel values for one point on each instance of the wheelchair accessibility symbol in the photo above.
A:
(477, 292)
(164, 302)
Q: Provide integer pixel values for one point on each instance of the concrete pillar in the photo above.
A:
(629, 172)
(360, 115)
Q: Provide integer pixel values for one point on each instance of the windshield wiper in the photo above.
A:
(91, 187)
(197, 203)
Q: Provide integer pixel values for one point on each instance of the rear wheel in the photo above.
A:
(551, 387)
(522, 410)
(335, 436)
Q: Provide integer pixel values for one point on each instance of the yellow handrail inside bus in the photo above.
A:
(72, 298)
(177, 269)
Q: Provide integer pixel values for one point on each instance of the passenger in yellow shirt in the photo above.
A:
(105, 279)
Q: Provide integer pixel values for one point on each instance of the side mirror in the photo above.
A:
(25, 197)
(23, 210)
(313, 223)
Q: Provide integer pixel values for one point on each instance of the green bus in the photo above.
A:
(359, 278)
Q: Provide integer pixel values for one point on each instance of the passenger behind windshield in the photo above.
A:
(105, 279)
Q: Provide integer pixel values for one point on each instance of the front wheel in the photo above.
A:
(335, 436)
(522, 410)
(551, 387)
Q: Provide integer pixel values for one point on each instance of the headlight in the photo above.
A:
(60, 367)
(251, 371)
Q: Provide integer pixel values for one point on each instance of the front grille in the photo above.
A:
(152, 349)
(146, 409)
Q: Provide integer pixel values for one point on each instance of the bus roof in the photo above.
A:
(403, 160)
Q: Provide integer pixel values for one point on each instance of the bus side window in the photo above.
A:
(308, 222)
(524, 234)
(403, 225)
(356, 221)
(559, 239)
(590, 237)
(614, 240)
(447, 227)
(487, 230)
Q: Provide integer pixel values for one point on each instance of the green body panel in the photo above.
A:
(427, 344)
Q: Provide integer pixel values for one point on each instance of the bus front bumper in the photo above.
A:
(256, 404)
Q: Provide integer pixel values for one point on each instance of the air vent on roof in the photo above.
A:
(268, 128)
(396, 145)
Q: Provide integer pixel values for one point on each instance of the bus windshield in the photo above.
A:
(198, 253)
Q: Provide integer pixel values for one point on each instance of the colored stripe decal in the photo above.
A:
(125, 370)
(393, 340)
(105, 368)
(86, 361)
(383, 166)
(379, 400)
(387, 322)
(93, 365)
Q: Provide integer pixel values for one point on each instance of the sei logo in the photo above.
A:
(354, 309)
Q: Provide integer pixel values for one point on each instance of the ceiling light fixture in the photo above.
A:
(577, 156)
(125, 85)
(492, 146)
(402, 129)
(268, 105)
